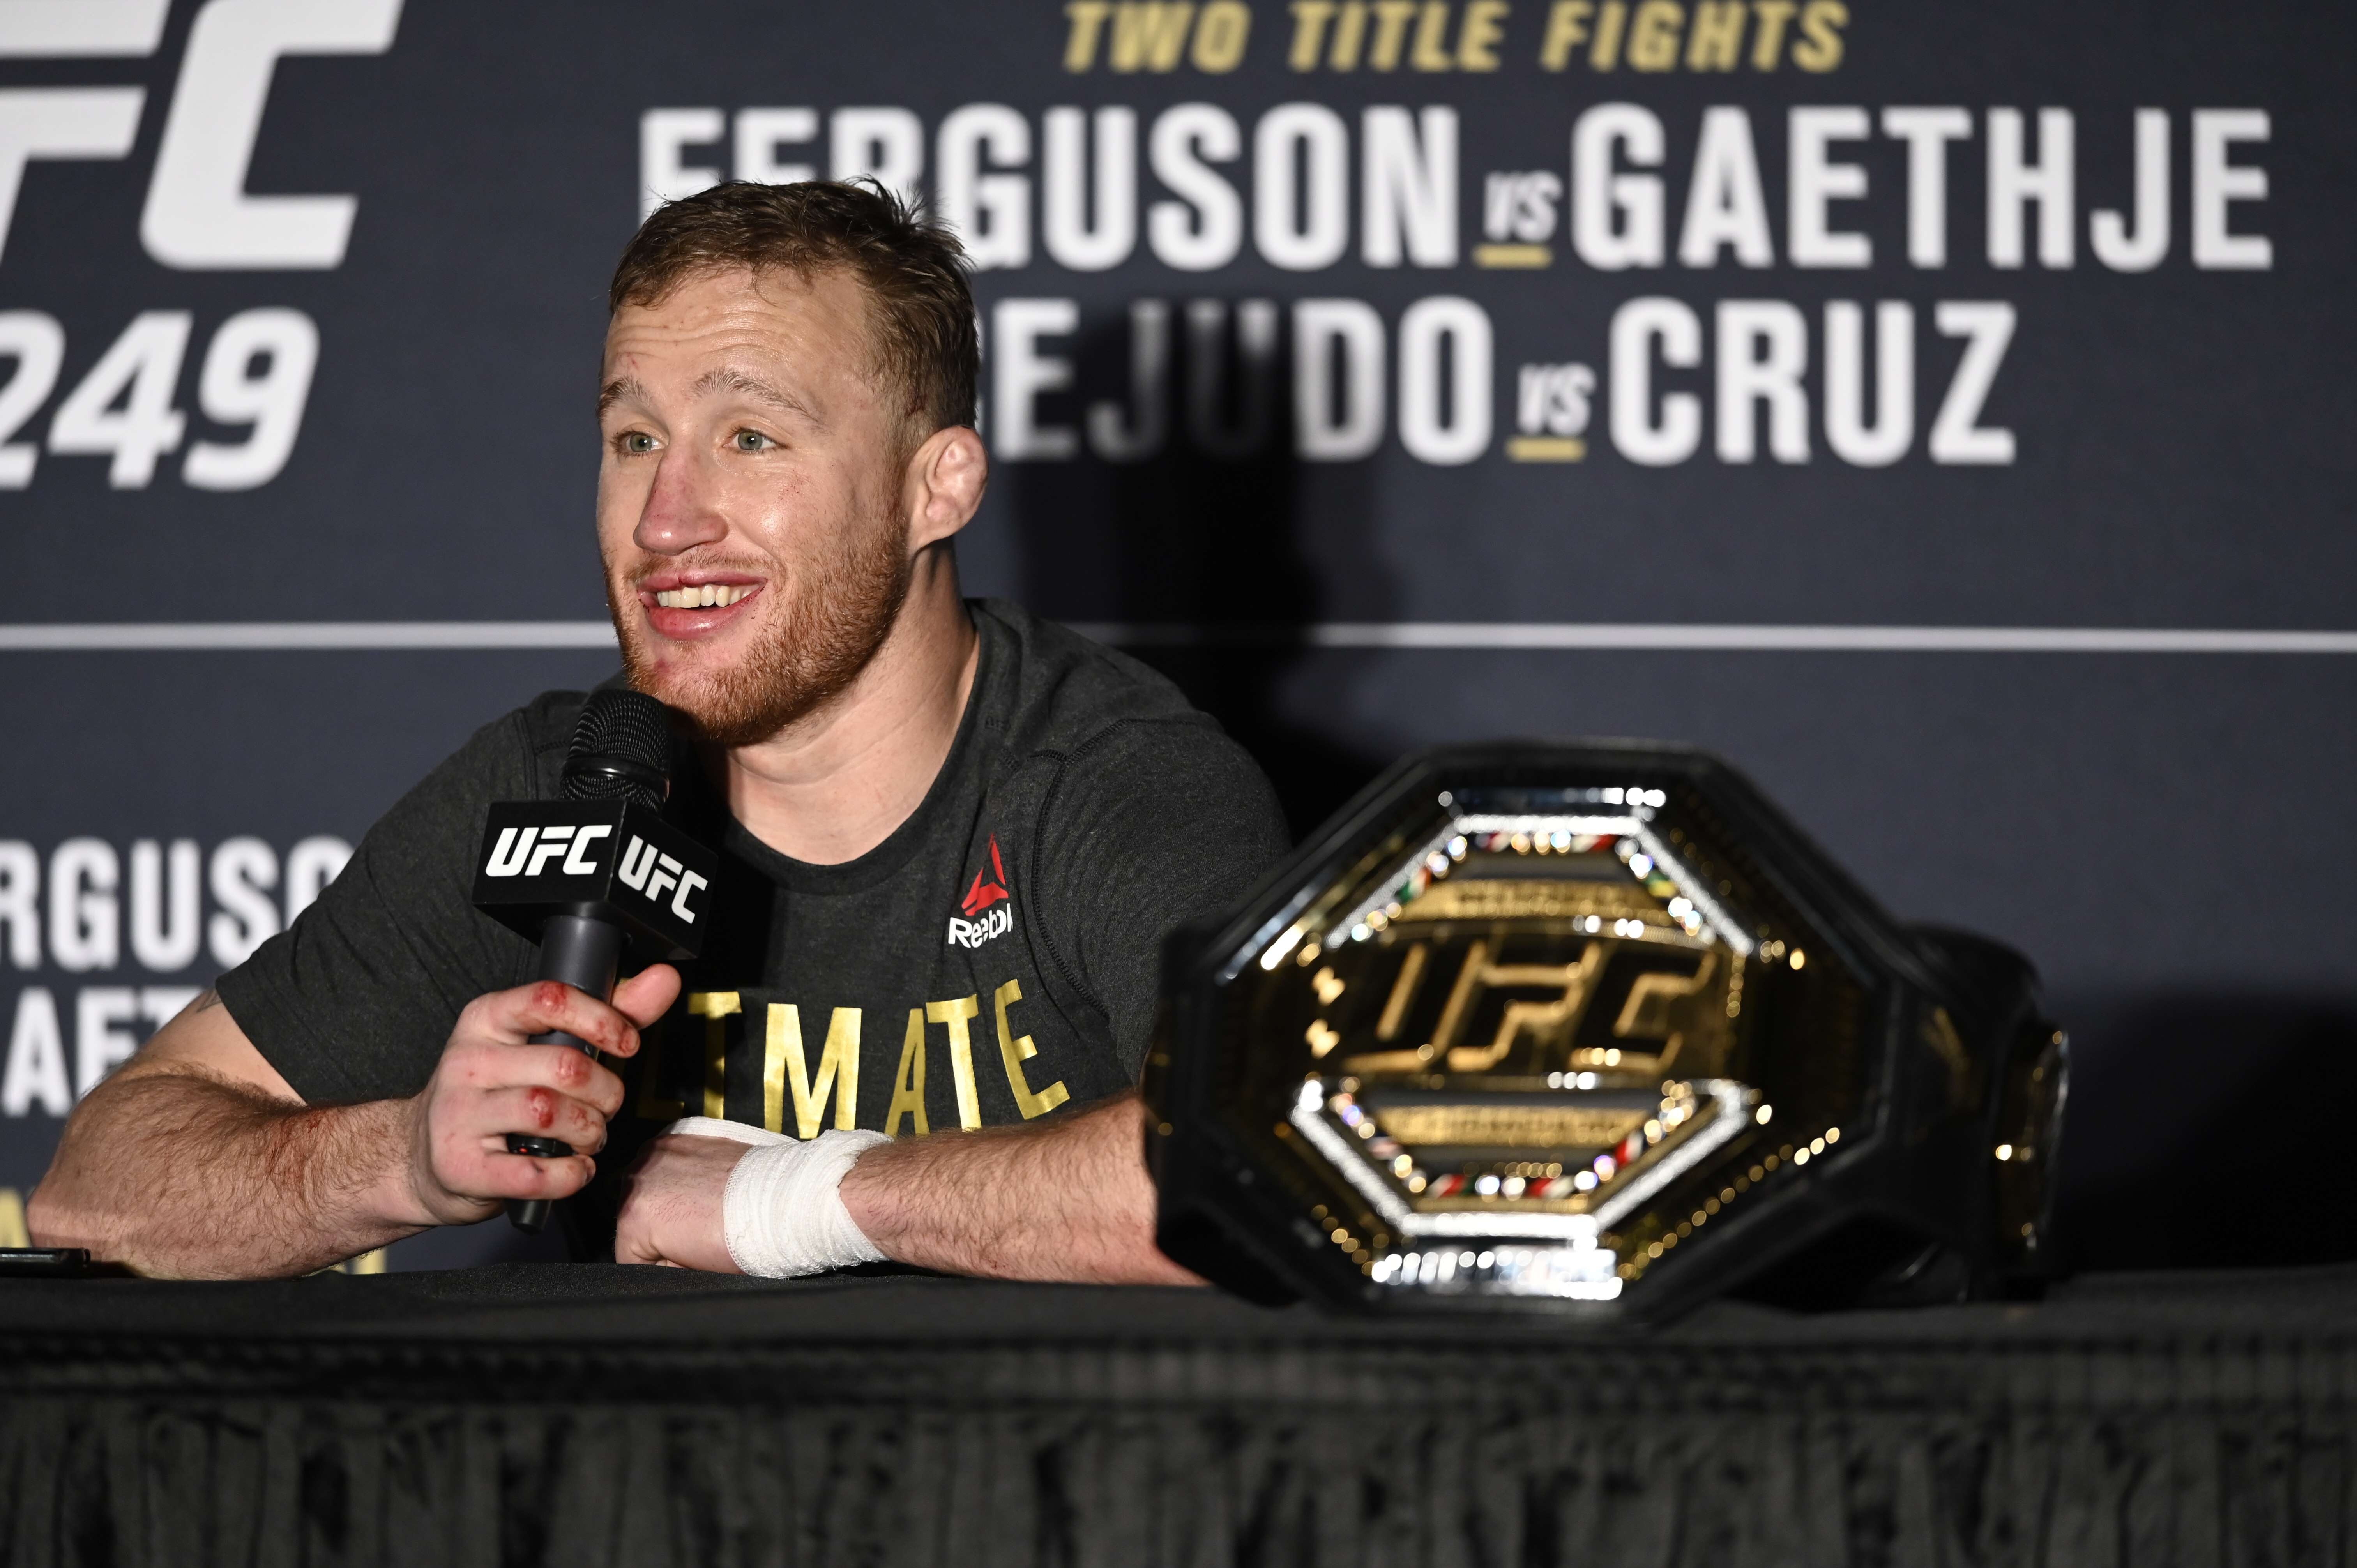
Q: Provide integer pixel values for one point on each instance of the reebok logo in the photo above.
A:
(987, 907)
(973, 933)
(983, 895)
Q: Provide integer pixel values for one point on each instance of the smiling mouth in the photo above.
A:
(709, 595)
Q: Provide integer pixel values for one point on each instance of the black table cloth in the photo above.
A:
(561, 1414)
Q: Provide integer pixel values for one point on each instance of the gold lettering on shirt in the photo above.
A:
(958, 1014)
(1013, 1052)
(838, 1068)
(712, 1007)
(908, 1083)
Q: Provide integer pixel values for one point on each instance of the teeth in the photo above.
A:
(709, 596)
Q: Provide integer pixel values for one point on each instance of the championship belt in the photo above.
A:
(1594, 1029)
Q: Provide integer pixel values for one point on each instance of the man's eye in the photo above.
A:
(636, 443)
(751, 441)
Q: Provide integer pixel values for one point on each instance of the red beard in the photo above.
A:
(817, 628)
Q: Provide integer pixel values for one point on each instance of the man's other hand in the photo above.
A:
(491, 1082)
(1065, 1199)
(672, 1211)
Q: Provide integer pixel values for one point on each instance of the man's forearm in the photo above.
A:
(1066, 1200)
(185, 1174)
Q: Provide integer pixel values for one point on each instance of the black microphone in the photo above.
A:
(596, 871)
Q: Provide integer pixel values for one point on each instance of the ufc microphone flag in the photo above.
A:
(541, 857)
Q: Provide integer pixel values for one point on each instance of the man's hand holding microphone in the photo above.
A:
(493, 1082)
(197, 1158)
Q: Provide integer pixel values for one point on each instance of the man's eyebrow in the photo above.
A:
(616, 391)
(730, 379)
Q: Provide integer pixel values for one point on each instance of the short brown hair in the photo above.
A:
(913, 269)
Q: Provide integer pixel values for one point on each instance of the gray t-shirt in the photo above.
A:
(992, 961)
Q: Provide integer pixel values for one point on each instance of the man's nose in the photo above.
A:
(682, 509)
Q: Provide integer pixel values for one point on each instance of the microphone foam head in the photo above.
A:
(621, 749)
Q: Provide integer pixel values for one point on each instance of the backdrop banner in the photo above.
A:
(1941, 410)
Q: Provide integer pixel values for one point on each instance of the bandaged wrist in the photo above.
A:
(783, 1213)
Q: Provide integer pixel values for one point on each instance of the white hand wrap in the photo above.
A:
(783, 1214)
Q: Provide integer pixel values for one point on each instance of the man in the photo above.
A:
(952, 836)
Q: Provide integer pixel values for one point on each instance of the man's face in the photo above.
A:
(748, 497)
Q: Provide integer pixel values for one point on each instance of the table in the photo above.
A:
(585, 1415)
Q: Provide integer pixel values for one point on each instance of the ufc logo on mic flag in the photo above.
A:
(650, 871)
(516, 855)
(546, 857)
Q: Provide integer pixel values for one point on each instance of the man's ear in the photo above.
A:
(943, 484)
